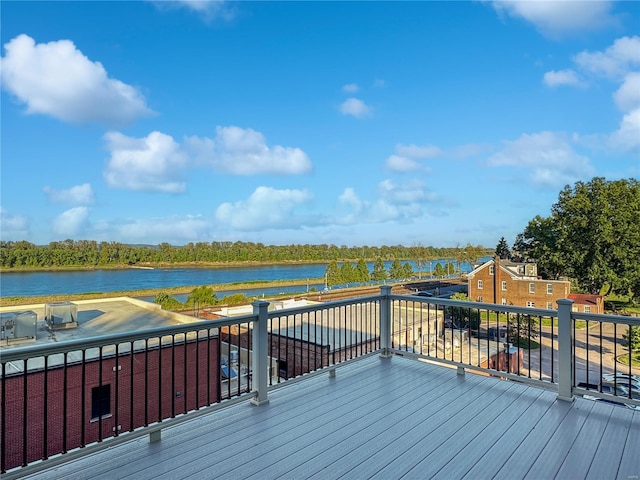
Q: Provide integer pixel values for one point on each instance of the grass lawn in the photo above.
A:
(635, 360)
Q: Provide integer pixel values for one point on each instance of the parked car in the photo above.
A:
(631, 382)
(424, 294)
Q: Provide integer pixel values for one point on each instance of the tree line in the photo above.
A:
(89, 253)
(349, 273)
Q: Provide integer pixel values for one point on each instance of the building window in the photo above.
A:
(492, 269)
(479, 284)
(480, 299)
(504, 301)
(504, 285)
(549, 306)
(549, 289)
(531, 304)
(100, 401)
(532, 287)
(587, 309)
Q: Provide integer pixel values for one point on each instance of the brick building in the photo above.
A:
(89, 395)
(100, 398)
(509, 283)
(586, 303)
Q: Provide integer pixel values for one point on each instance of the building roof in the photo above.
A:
(585, 298)
(95, 318)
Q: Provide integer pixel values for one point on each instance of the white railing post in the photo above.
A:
(260, 374)
(565, 348)
(385, 321)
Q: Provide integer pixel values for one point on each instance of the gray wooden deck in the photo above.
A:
(387, 419)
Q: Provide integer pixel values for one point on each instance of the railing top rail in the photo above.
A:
(494, 307)
(31, 351)
(324, 305)
(606, 318)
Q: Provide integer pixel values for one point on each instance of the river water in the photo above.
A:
(29, 284)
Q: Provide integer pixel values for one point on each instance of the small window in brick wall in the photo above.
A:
(532, 288)
(479, 284)
(100, 401)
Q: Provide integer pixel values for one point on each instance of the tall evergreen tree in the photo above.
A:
(379, 271)
(502, 249)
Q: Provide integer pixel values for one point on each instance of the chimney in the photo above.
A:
(496, 278)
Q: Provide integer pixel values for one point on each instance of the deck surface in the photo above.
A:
(386, 419)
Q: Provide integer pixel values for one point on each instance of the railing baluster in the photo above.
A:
(83, 399)
(25, 396)
(131, 385)
(3, 410)
(116, 394)
(64, 403)
(45, 409)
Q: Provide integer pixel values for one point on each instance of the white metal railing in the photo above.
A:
(183, 366)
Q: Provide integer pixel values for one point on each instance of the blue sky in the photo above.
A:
(350, 123)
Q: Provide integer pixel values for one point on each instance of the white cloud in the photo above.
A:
(627, 137)
(208, 9)
(350, 88)
(72, 222)
(56, 79)
(549, 156)
(615, 62)
(410, 193)
(77, 195)
(627, 97)
(244, 152)
(404, 203)
(266, 208)
(407, 156)
(350, 198)
(151, 164)
(174, 230)
(397, 163)
(560, 17)
(355, 107)
(13, 227)
(562, 77)
(414, 151)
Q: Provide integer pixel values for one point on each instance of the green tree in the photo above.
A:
(502, 249)
(202, 296)
(379, 271)
(167, 302)
(332, 274)
(347, 273)
(632, 338)
(592, 235)
(406, 271)
(362, 272)
(395, 271)
(522, 329)
(463, 317)
(439, 271)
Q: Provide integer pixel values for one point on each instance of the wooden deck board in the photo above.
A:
(387, 419)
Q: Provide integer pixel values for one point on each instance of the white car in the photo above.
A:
(631, 382)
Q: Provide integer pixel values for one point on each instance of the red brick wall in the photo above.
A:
(168, 390)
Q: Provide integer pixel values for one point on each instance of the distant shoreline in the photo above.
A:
(24, 300)
(147, 266)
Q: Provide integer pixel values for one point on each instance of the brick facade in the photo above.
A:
(148, 387)
(507, 283)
